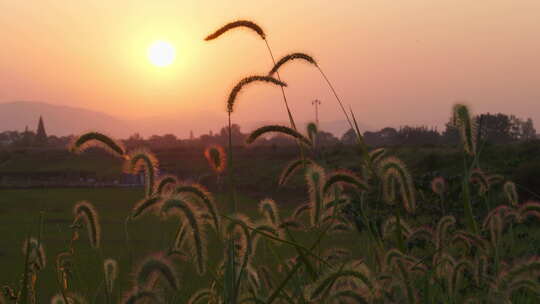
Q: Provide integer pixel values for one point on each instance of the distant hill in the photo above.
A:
(59, 120)
(65, 120)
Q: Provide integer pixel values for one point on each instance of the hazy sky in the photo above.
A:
(394, 62)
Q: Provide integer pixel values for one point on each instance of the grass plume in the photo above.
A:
(140, 296)
(216, 157)
(315, 178)
(246, 81)
(143, 160)
(156, 265)
(189, 213)
(467, 128)
(278, 129)
(393, 170)
(291, 57)
(97, 139)
(85, 211)
(343, 177)
(110, 268)
(202, 194)
(165, 183)
(144, 205)
(511, 193)
(237, 24)
(291, 168)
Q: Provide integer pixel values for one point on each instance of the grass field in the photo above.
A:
(20, 213)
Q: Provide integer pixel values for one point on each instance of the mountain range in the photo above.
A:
(66, 120)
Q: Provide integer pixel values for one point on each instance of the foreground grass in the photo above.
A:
(20, 211)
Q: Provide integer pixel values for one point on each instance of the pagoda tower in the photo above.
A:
(41, 135)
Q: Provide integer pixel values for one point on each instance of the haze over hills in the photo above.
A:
(65, 120)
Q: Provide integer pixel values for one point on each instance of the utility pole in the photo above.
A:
(316, 103)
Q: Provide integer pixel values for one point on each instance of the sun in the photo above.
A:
(161, 53)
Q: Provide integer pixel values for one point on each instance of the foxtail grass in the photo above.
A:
(291, 57)
(216, 157)
(86, 212)
(292, 167)
(143, 160)
(278, 129)
(204, 295)
(145, 205)
(312, 131)
(467, 128)
(269, 209)
(237, 24)
(110, 268)
(97, 139)
(344, 177)
(394, 170)
(189, 213)
(34, 249)
(202, 194)
(71, 297)
(511, 193)
(140, 296)
(315, 178)
(318, 289)
(156, 265)
(165, 183)
(246, 81)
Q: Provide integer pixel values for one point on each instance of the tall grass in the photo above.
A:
(391, 248)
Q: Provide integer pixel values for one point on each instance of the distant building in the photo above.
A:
(41, 135)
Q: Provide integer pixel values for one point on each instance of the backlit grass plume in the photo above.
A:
(86, 212)
(216, 157)
(312, 131)
(343, 177)
(144, 205)
(189, 213)
(143, 160)
(238, 228)
(438, 185)
(316, 291)
(394, 170)
(269, 209)
(511, 193)
(467, 128)
(96, 139)
(237, 24)
(110, 268)
(291, 57)
(278, 129)
(376, 155)
(246, 81)
(165, 184)
(71, 297)
(291, 168)
(36, 253)
(300, 210)
(203, 195)
(479, 178)
(315, 178)
(141, 296)
(441, 232)
(156, 265)
(205, 295)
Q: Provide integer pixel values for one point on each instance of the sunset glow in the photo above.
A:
(161, 53)
(379, 55)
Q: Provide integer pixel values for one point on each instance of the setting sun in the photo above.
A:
(161, 53)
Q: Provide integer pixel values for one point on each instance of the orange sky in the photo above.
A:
(395, 62)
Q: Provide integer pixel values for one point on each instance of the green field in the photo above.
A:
(20, 212)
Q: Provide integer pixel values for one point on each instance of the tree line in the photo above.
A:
(490, 128)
